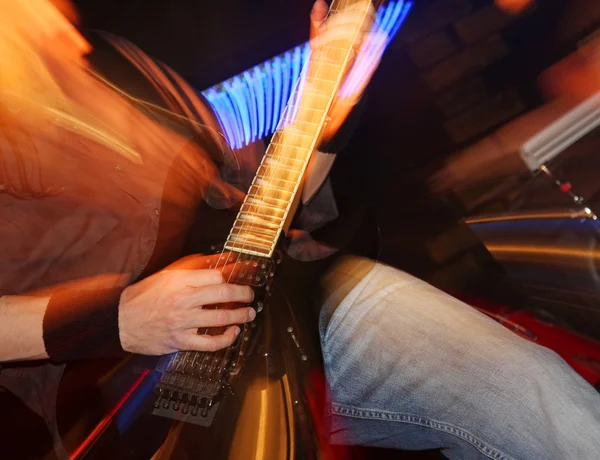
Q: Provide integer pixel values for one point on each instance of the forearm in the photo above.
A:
(69, 324)
(21, 328)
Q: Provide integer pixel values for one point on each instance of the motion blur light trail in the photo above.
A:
(250, 105)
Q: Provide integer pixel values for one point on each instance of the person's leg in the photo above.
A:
(411, 367)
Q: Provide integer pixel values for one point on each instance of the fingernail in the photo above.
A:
(236, 331)
(252, 314)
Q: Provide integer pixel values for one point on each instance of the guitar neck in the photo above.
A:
(273, 197)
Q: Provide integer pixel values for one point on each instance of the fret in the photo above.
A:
(307, 126)
(261, 203)
(336, 48)
(287, 140)
(270, 198)
(319, 94)
(279, 182)
(318, 74)
(295, 107)
(288, 160)
(292, 130)
(317, 77)
(312, 123)
(275, 191)
(252, 237)
(274, 161)
(257, 211)
(259, 218)
(268, 172)
(274, 187)
(333, 67)
(303, 130)
(279, 171)
(271, 205)
(235, 242)
(313, 91)
(258, 223)
(321, 89)
(284, 147)
(246, 249)
(313, 116)
(270, 232)
(249, 227)
(330, 55)
(292, 133)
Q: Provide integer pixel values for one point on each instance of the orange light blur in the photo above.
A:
(512, 6)
(577, 76)
(63, 122)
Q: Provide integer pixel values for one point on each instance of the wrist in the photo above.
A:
(81, 323)
(125, 337)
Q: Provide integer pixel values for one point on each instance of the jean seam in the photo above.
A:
(362, 413)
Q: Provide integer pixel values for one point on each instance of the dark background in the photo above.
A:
(456, 71)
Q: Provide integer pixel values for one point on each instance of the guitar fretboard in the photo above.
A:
(271, 199)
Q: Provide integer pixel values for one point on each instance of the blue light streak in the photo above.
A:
(258, 88)
(277, 102)
(249, 106)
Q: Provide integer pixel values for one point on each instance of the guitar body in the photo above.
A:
(272, 410)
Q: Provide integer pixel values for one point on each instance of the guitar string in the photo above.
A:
(278, 154)
(264, 191)
(279, 150)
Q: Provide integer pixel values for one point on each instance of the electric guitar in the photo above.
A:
(255, 399)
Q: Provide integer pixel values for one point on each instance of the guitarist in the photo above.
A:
(407, 366)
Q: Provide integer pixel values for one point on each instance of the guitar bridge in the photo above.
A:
(185, 407)
(190, 388)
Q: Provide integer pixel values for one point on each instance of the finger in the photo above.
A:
(317, 17)
(221, 293)
(355, 15)
(194, 342)
(200, 318)
(182, 279)
(351, 32)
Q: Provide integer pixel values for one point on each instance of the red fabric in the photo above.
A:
(581, 353)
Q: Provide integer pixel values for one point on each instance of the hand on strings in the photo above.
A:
(163, 313)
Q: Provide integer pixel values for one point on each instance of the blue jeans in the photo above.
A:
(411, 367)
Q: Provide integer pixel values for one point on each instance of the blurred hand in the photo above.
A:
(162, 314)
(352, 27)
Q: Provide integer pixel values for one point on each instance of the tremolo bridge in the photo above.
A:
(193, 383)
